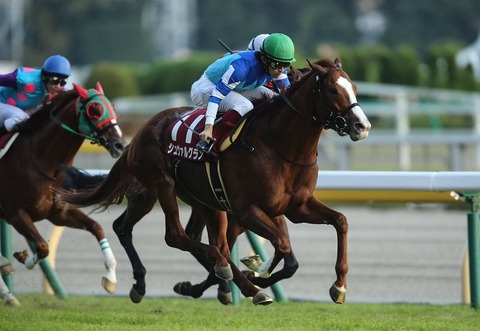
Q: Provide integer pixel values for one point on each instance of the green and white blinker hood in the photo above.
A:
(93, 121)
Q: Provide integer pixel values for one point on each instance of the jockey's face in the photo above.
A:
(275, 72)
(54, 85)
(274, 68)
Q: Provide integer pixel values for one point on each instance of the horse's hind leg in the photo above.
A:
(194, 230)
(138, 206)
(76, 219)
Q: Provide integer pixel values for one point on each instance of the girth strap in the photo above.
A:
(216, 184)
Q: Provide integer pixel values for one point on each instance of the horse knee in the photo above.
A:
(290, 270)
(173, 241)
(282, 245)
(42, 250)
(341, 224)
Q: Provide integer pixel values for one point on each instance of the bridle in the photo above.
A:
(334, 121)
(89, 128)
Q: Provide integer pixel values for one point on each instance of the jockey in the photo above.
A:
(256, 42)
(232, 81)
(25, 88)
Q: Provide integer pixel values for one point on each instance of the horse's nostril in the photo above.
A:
(359, 127)
(119, 146)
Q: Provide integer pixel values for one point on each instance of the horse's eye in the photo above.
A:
(333, 91)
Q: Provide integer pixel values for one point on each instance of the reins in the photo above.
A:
(68, 128)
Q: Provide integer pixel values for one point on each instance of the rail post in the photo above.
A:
(473, 227)
(233, 287)
(6, 249)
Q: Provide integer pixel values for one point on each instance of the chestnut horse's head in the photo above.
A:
(338, 96)
(98, 119)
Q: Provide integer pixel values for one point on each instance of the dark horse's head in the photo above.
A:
(98, 120)
(338, 95)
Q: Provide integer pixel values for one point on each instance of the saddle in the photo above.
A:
(182, 135)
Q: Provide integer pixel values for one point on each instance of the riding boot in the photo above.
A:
(231, 116)
(229, 119)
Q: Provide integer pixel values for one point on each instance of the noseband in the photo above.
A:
(338, 122)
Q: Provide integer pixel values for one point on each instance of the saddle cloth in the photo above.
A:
(182, 136)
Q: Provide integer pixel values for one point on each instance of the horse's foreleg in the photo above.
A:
(23, 224)
(6, 296)
(315, 212)
(290, 262)
(290, 266)
(258, 222)
(74, 218)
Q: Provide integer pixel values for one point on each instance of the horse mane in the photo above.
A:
(49, 106)
(299, 76)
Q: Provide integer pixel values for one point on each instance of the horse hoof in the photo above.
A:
(183, 288)
(252, 262)
(109, 286)
(224, 272)
(261, 299)
(21, 256)
(135, 296)
(225, 298)
(338, 294)
(11, 301)
(6, 269)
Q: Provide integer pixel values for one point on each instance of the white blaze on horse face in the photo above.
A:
(357, 110)
(117, 128)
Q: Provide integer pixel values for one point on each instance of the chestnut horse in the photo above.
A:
(273, 172)
(194, 230)
(34, 165)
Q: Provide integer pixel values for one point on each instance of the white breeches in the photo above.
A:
(203, 88)
(11, 116)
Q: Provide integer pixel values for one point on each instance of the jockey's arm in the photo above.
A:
(9, 80)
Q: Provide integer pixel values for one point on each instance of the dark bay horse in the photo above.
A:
(272, 173)
(47, 142)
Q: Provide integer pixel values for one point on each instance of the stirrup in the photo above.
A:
(206, 147)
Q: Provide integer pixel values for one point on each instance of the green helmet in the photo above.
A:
(278, 47)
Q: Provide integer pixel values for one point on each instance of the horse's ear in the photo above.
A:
(317, 67)
(81, 91)
(296, 74)
(338, 63)
(309, 63)
(99, 88)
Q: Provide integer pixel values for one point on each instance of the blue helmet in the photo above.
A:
(56, 65)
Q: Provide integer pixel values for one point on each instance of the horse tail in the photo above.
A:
(79, 179)
(102, 193)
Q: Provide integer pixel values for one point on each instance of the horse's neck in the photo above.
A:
(294, 130)
(55, 142)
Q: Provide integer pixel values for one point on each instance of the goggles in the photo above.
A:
(279, 65)
(56, 81)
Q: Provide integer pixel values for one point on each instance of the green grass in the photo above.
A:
(41, 312)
